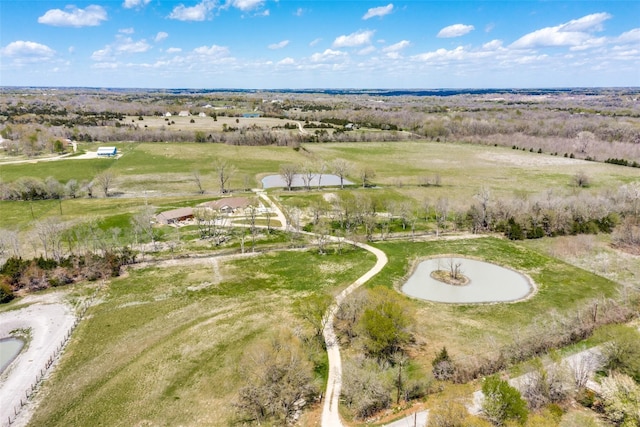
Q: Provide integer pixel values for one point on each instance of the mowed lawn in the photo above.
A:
(168, 345)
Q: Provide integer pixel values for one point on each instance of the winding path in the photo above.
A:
(330, 412)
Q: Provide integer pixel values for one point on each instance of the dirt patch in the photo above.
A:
(49, 321)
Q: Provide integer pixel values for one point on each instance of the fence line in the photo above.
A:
(81, 310)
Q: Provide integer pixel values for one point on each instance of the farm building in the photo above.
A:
(107, 151)
(202, 114)
(184, 114)
(167, 114)
(174, 216)
(228, 204)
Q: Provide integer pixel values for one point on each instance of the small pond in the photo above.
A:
(328, 180)
(487, 282)
(9, 349)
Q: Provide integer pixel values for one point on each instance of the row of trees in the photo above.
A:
(30, 188)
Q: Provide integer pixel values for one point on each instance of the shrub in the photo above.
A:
(385, 323)
(621, 400)
(6, 293)
(622, 351)
(443, 367)
(502, 402)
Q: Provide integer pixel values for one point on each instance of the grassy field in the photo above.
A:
(159, 170)
(165, 345)
(476, 330)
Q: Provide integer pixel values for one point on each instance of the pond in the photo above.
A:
(9, 349)
(487, 282)
(328, 180)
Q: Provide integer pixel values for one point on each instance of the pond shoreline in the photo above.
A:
(489, 283)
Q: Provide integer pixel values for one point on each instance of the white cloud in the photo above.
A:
(631, 36)
(21, 52)
(91, 16)
(591, 22)
(102, 55)
(199, 12)
(573, 33)
(127, 45)
(161, 36)
(397, 46)
(246, 5)
(287, 61)
(455, 30)
(299, 12)
(279, 45)
(367, 50)
(329, 55)
(130, 4)
(378, 11)
(126, 30)
(212, 51)
(358, 38)
(174, 50)
(315, 41)
(492, 45)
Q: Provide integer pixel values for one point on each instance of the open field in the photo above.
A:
(479, 330)
(166, 345)
(155, 170)
(168, 342)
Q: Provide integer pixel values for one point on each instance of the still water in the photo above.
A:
(9, 349)
(488, 282)
(273, 181)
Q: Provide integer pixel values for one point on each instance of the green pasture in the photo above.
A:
(21, 214)
(165, 345)
(476, 330)
(462, 168)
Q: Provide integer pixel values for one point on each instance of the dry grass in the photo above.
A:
(207, 124)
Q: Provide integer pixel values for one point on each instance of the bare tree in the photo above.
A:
(279, 377)
(9, 243)
(224, 171)
(442, 212)
(581, 179)
(197, 179)
(49, 232)
(105, 181)
(288, 173)
(143, 227)
(341, 168)
(483, 196)
(308, 173)
(322, 168)
(366, 175)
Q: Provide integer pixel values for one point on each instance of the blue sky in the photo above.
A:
(263, 44)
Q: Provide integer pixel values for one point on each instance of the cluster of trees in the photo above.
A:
(40, 273)
(378, 323)
(30, 188)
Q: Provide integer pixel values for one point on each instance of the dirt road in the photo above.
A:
(48, 321)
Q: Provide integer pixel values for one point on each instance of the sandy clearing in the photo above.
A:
(49, 320)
